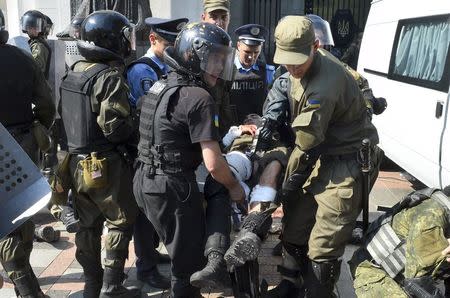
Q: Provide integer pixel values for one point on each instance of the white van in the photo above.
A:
(405, 57)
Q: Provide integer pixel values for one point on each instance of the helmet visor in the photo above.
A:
(130, 35)
(216, 60)
(32, 24)
(49, 29)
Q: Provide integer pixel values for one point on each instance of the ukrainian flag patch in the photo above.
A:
(314, 103)
(216, 120)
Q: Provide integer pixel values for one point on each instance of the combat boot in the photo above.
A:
(113, 287)
(93, 282)
(247, 244)
(214, 275)
(27, 286)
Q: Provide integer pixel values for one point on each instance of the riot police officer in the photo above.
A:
(98, 122)
(21, 85)
(253, 76)
(178, 128)
(34, 23)
(141, 75)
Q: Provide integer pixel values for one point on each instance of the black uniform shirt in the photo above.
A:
(192, 118)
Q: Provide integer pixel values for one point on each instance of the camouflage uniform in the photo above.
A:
(423, 229)
(40, 52)
(113, 202)
(323, 184)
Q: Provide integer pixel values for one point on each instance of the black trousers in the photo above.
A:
(218, 216)
(146, 241)
(174, 206)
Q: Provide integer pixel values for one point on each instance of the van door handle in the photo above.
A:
(439, 109)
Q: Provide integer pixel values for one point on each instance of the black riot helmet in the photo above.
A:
(75, 28)
(34, 23)
(106, 35)
(3, 33)
(48, 26)
(202, 48)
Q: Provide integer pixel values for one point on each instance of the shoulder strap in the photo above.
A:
(152, 64)
(79, 80)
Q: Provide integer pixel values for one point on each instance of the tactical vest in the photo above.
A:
(84, 135)
(248, 92)
(152, 64)
(153, 150)
(383, 244)
(16, 87)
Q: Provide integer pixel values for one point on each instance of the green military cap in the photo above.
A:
(211, 5)
(294, 36)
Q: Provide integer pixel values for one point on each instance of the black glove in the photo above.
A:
(292, 186)
(265, 139)
(379, 104)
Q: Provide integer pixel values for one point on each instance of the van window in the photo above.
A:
(420, 52)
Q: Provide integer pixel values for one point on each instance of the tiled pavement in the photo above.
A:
(60, 275)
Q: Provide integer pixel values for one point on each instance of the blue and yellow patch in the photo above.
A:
(216, 120)
(313, 103)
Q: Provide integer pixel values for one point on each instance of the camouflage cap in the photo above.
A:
(294, 36)
(211, 5)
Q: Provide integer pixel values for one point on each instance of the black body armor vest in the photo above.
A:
(16, 87)
(149, 62)
(84, 135)
(248, 92)
(161, 153)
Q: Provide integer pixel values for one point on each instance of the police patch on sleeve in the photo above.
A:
(157, 88)
(146, 84)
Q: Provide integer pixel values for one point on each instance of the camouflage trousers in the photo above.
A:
(114, 203)
(324, 213)
(422, 228)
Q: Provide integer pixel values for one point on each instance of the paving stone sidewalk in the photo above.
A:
(60, 275)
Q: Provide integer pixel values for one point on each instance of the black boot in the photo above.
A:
(321, 278)
(27, 286)
(214, 275)
(163, 258)
(247, 244)
(112, 285)
(156, 280)
(93, 282)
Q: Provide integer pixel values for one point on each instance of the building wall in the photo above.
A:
(58, 11)
(191, 9)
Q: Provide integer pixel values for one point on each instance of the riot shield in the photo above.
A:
(23, 189)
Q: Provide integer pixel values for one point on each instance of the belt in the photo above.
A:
(346, 156)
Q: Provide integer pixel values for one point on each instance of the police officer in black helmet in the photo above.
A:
(179, 129)
(98, 122)
(22, 84)
(36, 25)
